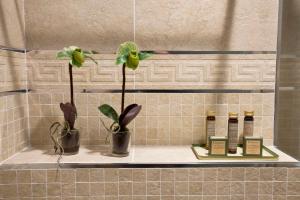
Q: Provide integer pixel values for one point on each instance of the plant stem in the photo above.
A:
(71, 84)
(123, 87)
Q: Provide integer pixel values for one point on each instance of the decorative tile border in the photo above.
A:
(162, 71)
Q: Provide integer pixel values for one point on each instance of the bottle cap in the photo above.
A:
(211, 113)
(233, 115)
(249, 113)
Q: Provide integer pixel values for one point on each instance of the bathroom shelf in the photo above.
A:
(140, 157)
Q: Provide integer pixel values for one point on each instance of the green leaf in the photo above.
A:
(86, 52)
(62, 54)
(143, 56)
(121, 59)
(92, 59)
(109, 112)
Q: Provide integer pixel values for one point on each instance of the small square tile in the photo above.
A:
(195, 188)
(238, 174)
(111, 189)
(167, 174)
(167, 188)
(279, 188)
(209, 188)
(153, 174)
(237, 188)
(153, 188)
(54, 189)
(266, 174)
(265, 188)
(223, 188)
(96, 175)
(82, 189)
(209, 174)
(251, 188)
(111, 175)
(181, 174)
(139, 188)
(38, 176)
(125, 188)
(82, 175)
(97, 189)
(252, 174)
(125, 175)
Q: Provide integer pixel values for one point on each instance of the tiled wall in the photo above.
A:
(166, 119)
(13, 106)
(13, 125)
(152, 184)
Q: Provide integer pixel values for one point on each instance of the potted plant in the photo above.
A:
(128, 55)
(68, 139)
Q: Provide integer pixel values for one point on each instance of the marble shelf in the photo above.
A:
(140, 156)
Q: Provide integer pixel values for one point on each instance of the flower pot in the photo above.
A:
(120, 142)
(70, 141)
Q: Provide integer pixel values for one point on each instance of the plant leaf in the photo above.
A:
(143, 56)
(129, 114)
(92, 59)
(109, 112)
(86, 52)
(70, 113)
(62, 54)
(121, 59)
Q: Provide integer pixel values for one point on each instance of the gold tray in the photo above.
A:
(202, 154)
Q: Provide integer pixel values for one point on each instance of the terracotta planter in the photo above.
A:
(70, 141)
(120, 143)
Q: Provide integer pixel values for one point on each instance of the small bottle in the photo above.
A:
(210, 126)
(248, 123)
(232, 132)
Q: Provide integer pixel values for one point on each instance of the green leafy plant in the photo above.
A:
(77, 57)
(128, 55)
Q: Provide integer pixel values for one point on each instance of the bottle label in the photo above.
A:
(248, 128)
(232, 136)
(210, 130)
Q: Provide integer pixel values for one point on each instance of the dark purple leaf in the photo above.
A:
(129, 114)
(70, 113)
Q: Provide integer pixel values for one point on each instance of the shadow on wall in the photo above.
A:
(287, 113)
(12, 35)
(12, 23)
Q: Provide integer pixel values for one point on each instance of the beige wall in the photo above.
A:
(13, 74)
(13, 125)
(166, 119)
(53, 24)
(159, 25)
(12, 30)
(155, 184)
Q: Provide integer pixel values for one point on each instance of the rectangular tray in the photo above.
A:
(202, 154)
